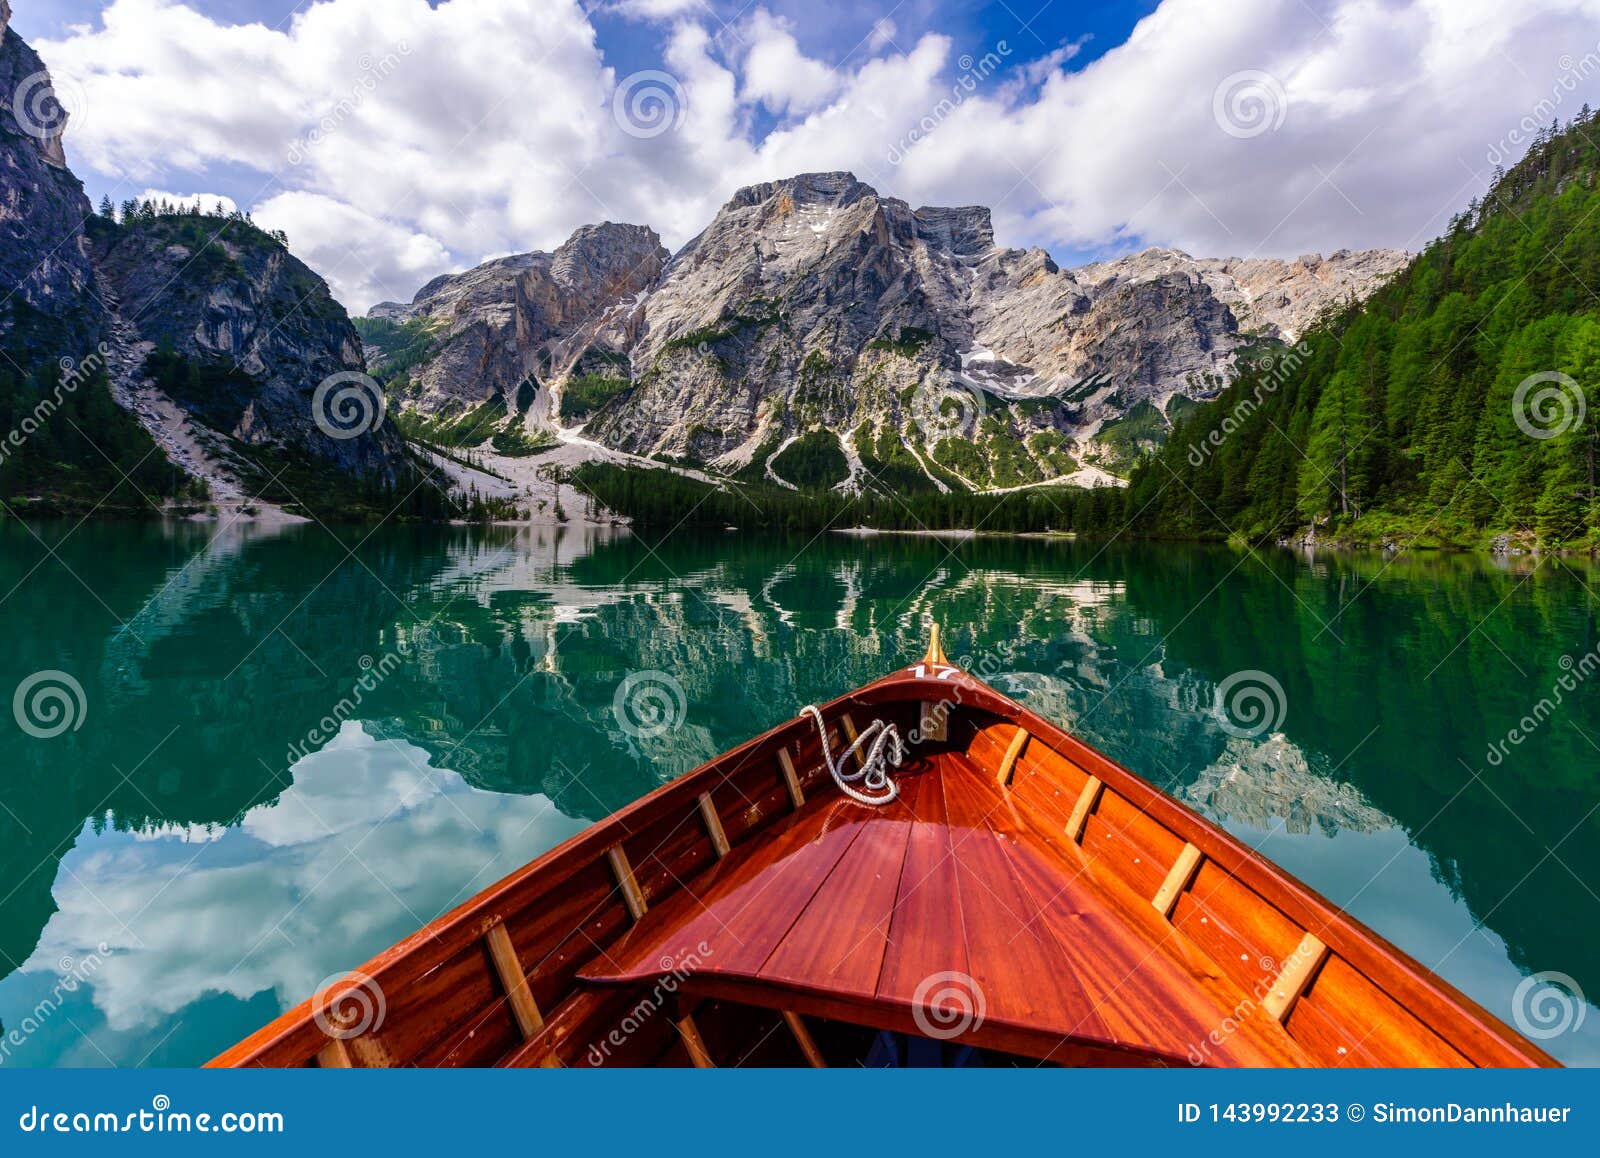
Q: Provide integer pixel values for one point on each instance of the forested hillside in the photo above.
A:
(1456, 405)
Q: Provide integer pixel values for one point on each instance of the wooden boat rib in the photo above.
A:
(1025, 898)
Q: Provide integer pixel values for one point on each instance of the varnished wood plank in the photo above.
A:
(713, 822)
(666, 855)
(1142, 989)
(1124, 946)
(1019, 970)
(839, 938)
(584, 1020)
(1294, 974)
(744, 904)
(1008, 762)
(1244, 936)
(925, 933)
(1328, 1044)
(514, 980)
(1143, 835)
(803, 1038)
(632, 895)
(1178, 878)
(1080, 811)
(1387, 1031)
(455, 1015)
(755, 909)
(1131, 906)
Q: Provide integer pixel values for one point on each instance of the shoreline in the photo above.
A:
(537, 518)
(954, 533)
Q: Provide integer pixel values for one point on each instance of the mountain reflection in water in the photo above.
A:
(299, 747)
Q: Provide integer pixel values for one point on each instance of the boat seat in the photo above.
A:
(944, 914)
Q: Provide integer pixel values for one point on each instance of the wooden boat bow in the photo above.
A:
(1025, 896)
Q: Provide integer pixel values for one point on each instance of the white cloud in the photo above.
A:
(394, 139)
(1041, 69)
(206, 201)
(284, 898)
(659, 9)
(882, 33)
(371, 259)
(777, 73)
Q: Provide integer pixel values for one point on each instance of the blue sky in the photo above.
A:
(826, 29)
(396, 139)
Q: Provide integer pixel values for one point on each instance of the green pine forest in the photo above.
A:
(1395, 421)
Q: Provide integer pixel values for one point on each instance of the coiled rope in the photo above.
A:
(884, 750)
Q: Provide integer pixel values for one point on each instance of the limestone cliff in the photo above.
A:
(815, 308)
(45, 272)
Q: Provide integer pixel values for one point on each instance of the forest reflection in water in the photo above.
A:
(297, 747)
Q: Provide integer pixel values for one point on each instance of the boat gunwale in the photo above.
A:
(436, 942)
(1487, 1041)
(1345, 936)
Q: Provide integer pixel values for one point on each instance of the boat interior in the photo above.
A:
(1023, 901)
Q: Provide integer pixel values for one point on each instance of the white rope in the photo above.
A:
(885, 751)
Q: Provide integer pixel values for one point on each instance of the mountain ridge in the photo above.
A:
(814, 303)
(196, 359)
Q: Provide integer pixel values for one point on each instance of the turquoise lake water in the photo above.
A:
(281, 751)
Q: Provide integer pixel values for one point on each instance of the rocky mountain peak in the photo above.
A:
(1269, 296)
(44, 256)
(213, 310)
(261, 332)
(529, 316)
(620, 259)
(31, 108)
(967, 231)
(838, 188)
(814, 307)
